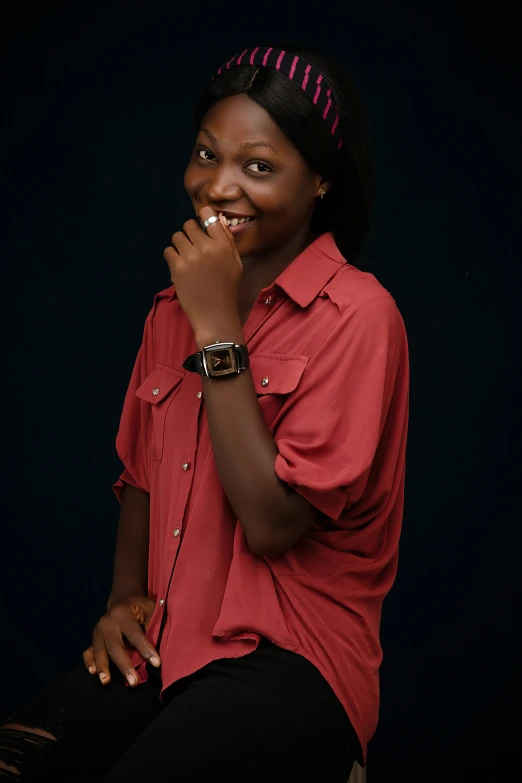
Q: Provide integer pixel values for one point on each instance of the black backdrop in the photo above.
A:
(97, 110)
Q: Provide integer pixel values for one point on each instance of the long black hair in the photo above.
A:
(346, 207)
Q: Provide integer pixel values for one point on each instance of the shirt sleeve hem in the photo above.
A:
(119, 485)
(329, 502)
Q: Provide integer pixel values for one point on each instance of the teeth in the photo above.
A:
(237, 221)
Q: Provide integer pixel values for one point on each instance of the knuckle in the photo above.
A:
(102, 627)
(118, 617)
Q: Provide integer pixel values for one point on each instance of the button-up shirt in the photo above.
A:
(329, 359)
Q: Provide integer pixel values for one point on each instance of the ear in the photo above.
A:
(323, 186)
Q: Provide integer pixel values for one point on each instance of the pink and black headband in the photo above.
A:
(300, 71)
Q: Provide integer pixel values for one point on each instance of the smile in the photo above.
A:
(238, 224)
(238, 221)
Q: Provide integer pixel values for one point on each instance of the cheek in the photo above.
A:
(289, 209)
(192, 180)
(287, 199)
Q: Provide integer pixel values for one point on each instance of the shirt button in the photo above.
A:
(176, 532)
(264, 382)
(268, 300)
(186, 466)
(155, 392)
(198, 395)
(161, 601)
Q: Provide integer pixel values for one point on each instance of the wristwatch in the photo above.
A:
(218, 360)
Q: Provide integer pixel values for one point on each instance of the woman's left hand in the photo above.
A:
(206, 270)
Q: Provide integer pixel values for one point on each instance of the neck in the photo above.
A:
(261, 270)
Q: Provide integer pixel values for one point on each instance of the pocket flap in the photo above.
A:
(277, 373)
(162, 380)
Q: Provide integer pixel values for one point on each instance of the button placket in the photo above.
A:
(264, 306)
(176, 514)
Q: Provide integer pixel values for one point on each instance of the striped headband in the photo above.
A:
(300, 71)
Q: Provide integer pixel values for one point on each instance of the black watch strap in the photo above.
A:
(194, 362)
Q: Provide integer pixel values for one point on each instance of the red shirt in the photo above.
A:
(331, 343)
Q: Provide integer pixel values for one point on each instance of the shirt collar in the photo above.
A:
(306, 276)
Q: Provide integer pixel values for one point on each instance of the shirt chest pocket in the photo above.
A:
(159, 389)
(275, 377)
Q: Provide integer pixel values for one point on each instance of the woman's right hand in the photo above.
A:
(128, 619)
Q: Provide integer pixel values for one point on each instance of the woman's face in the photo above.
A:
(244, 166)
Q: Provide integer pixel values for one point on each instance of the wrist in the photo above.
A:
(120, 594)
(226, 331)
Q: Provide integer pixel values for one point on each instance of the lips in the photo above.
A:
(236, 222)
(235, 219)
(236, 227)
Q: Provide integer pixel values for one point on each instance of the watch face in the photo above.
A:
(221, 361)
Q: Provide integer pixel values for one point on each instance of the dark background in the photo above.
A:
(97, 112)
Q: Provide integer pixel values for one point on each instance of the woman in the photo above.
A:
(263, 439)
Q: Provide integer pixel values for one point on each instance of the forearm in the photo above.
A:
(132, 546)
(272, 514)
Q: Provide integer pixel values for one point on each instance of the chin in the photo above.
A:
(247, 246)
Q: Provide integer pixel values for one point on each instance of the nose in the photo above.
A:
(222, 186)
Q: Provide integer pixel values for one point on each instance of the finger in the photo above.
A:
(221, 228)
(171, 256)
(101, 658)
(149, 611)
(139, 641)
(215, 228)
(181, 242)
(230, 237)
(194, 231)
(228, 232)
(114, 648)
(88, 659)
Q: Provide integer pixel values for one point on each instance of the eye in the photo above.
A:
(206, 155)
(262, 168)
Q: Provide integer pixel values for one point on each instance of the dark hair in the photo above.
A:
(346, 207)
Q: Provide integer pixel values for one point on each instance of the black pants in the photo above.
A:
(268, 716)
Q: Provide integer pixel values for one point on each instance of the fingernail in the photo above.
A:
(103, 677)
(92, 669)
(155, 661)
(132, 679)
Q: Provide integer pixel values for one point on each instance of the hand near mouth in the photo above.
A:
(206, 270)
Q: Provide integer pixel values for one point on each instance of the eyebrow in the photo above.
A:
(246, 145)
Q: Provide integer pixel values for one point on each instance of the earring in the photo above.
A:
(322, 192)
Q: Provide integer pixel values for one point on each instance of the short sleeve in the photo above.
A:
(330, 432)
(132, 440)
